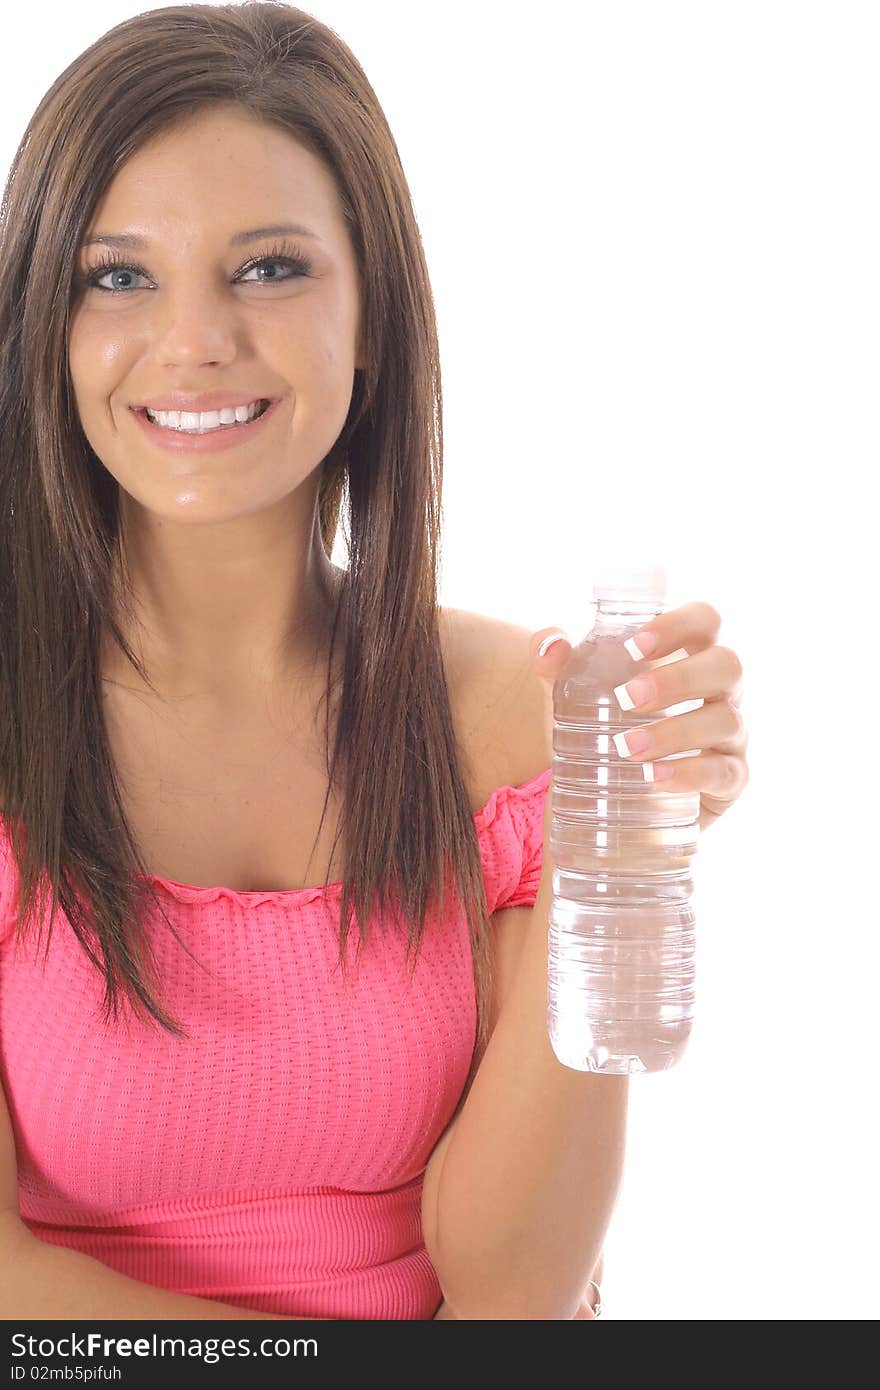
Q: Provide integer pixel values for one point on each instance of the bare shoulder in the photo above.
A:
(503, 710)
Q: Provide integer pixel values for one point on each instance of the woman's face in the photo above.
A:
(190, 312)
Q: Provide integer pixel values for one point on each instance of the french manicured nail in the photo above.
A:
(548, 642)
(641, 644)
(660, 771)
(634, 741)
(634, 693)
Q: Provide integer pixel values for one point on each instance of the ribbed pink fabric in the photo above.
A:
(275, 1159)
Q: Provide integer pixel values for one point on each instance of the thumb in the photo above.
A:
(550, 651)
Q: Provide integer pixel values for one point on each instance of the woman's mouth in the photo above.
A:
(210, 438)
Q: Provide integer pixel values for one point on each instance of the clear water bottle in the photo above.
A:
(622, 930)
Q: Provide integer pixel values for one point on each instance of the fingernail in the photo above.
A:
(661, 771)
(548, 642)
(657, 772)
(642, 644)
(636, 692)
(633, 741)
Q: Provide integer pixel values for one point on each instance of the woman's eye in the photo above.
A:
(297, 268)
(98, 275)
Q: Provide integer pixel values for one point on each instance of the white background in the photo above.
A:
(652, 231)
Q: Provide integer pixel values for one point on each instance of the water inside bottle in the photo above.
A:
(622, 930)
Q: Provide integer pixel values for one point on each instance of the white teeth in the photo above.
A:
(195, 422)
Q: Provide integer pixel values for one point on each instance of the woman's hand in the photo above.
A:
(719, 771)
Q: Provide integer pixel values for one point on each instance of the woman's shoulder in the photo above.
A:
(502, 709)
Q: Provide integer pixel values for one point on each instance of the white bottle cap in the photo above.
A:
(631, 582)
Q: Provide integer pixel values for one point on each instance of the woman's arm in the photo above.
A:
(586, 1309)
(529, 1180)
(39, 1281)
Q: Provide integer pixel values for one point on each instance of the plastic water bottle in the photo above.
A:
(622, 930)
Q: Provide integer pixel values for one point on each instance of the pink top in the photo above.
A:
(275, 1160)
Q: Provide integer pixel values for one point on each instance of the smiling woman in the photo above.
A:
(207, 210)
(190, 328)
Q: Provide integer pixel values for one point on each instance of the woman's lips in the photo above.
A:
(212, 442)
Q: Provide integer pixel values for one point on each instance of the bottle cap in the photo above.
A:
(629, 581)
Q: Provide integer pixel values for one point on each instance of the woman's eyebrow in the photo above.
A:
(138, 243)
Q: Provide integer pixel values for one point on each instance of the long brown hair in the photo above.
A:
(406, 814)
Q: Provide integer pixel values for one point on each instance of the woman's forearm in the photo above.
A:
(532, 1172)
(49, 1281)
